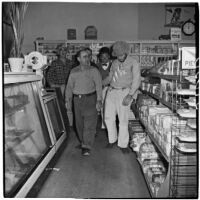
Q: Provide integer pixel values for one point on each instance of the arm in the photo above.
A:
(136, 78)
(69, 92)
(108, 79)
(98, 83)
(135, 84)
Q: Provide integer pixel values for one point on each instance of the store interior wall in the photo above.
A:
(7, 37)
(114, 21)
(152, 20)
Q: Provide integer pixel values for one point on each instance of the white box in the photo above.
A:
(175, 34)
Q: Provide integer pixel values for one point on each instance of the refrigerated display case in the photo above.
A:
(54, 116)
(29, 142)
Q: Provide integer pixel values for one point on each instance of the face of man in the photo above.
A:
(89, 54)
(104, 58)
(62, 52)
(84, 58)
(122, 58)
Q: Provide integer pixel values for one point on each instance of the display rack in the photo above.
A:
(181, 179)
(147, 52)
(29, 142)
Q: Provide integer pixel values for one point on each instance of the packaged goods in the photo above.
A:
(158, 178)
(153, 110)
(136, 143)
(155, 188)
(186, 146)
(192, 123)
(147, 151)
(166, 121)
(188, 134)
(155, 171)
(148, 164)
(147, 147)
(145, 155)
(188, 113)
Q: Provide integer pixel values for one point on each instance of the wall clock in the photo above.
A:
(188, 27)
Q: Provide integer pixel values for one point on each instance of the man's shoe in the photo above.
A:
(85, 152)
(110, 145)
(125, 150)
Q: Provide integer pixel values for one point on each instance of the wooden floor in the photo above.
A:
(106, 173)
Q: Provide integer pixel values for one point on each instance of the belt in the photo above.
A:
(113, 88)
(84, 95)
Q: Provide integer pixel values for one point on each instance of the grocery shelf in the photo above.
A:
(159, 54)
(165, 76)
(168, 104)
(155, 142)
(146, 180)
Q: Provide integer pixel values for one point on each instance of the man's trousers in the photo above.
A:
(113, 107)
(86, 119)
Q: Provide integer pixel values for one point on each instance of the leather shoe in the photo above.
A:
(110, 145)
(85, 152)
(125, 150)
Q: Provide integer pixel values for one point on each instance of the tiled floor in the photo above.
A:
(106, 173)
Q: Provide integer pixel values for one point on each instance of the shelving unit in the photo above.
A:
(168, 104)
(181, 179)
(147, 52)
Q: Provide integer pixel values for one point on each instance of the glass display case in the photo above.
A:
(54, 116)
(27, 140)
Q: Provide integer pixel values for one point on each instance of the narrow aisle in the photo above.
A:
(106, 173)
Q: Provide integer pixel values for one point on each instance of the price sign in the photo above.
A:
(188, 58)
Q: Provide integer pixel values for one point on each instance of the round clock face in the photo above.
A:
(188, 28)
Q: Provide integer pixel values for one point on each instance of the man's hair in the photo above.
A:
(119, 48)
(80, 51)
(104, 50)
(88, 49)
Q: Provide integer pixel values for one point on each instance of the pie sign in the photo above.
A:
(188, 58)
(90, 33)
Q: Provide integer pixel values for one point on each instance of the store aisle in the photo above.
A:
(106, 173)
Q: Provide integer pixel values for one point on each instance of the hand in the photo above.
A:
(68, 104)
(127, 100)
(98, 105)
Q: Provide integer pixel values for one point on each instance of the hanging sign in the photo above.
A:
(90, 33)
(188, 58)
(71, 34)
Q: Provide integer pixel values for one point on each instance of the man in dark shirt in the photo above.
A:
(85, 85)
(58, 72)
(104, 65)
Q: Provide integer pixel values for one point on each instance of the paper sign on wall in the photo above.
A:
(188, 58)
(175, 34)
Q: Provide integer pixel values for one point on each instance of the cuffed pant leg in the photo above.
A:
(89, 130)
(110, 116)
(90, 120)
(123, 114)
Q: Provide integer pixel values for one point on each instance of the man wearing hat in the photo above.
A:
(124, 79)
